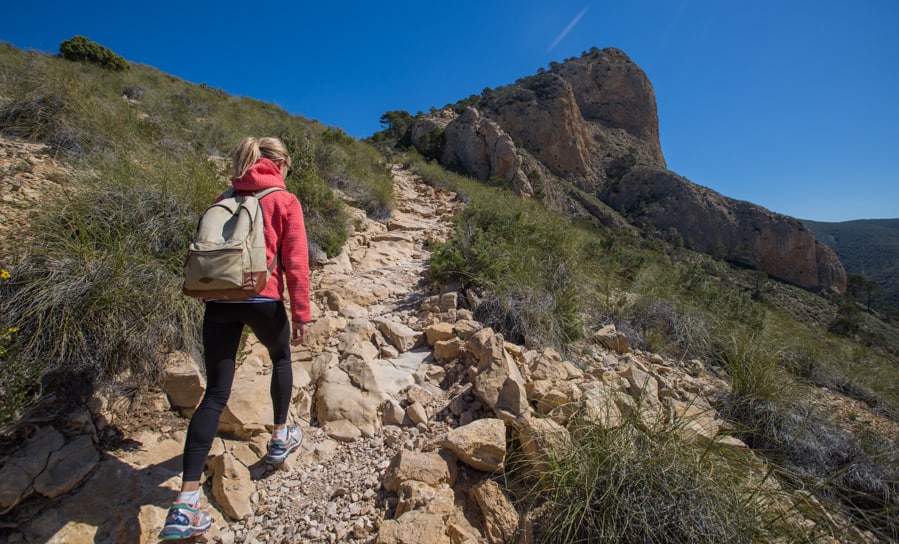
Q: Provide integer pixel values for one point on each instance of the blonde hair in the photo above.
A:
(249, 150)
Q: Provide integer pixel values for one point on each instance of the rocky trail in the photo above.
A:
(405, 400)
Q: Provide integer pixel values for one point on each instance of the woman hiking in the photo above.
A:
(257, 164)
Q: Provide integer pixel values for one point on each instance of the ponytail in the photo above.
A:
(249, 150)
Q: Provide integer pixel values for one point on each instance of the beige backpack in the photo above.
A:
(226, 260)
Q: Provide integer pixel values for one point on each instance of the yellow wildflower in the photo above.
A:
(4, 274)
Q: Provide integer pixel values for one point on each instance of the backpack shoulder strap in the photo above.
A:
(264, 192)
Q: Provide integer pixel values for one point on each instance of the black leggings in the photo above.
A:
(222, 326)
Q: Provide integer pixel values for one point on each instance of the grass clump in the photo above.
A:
(102, 296)
(634, 483)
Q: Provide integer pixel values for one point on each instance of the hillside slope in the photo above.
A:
(869, 247)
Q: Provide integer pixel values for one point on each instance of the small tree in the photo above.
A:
(863, 289)
(81, 49)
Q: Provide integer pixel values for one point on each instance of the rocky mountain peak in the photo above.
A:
(588, 129)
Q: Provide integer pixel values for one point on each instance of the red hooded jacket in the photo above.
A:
(285, 230)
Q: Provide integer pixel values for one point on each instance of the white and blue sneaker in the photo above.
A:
(278, 450)
(185, 521)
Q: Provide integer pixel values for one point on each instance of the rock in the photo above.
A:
(428, 468)
(482, 148)
(542, 440)
(183, 382)
(439, 332)
(26, 464)
(447, 350)
(643, 385)
(249, 409)
(497, 381)
(500, 517)
(612, 339)
(15, 485)
(414, 527)
(416, 495)
(697, 423)
(67, 467)
(342, 430)
(232, 486)
(417, 413)
(394, 414)
(613, 92)
(542, 113)
(548, 365)
(357, 331)
(338, 400)
(402, 337)
(735, 230)
(481, 444)
(600, 407)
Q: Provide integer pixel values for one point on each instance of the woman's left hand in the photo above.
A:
(298, 333)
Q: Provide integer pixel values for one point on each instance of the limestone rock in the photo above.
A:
(497, 382)
(500, 517)
(416, 495)
(402, 337)
(24, 466)
(183, 382)
(739, 231)
(438, 332)
(612, 339)
(231, 486)
(428, 468)
(339, 401)
(542, 440)
(414, 527)
(481, 444)
(67, 466)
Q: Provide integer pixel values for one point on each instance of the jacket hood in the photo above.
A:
(262, 175)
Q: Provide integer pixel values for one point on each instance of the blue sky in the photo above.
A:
(792, 105)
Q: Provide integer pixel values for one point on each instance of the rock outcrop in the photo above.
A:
(586, 131)
(735, 230)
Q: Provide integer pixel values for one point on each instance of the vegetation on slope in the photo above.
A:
(93, 287)
(546, 279)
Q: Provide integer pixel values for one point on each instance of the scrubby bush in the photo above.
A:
(811, 452)
(522, 263)
(82, 49)
(102, 296)
(642, 484)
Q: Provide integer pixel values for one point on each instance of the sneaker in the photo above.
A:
(184, 521)
(278, 450)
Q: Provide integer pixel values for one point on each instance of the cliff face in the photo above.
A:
(736, 230)
(592, 122)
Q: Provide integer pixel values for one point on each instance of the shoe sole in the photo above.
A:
(181, 535)
(281, 459)
(278, 460)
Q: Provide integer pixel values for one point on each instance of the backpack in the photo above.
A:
(226, 260)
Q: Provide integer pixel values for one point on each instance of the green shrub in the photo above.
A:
(323, 212)
(82, 49)
(523, 263)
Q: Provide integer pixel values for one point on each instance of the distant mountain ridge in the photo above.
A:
(869, 247)
(584, 136)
